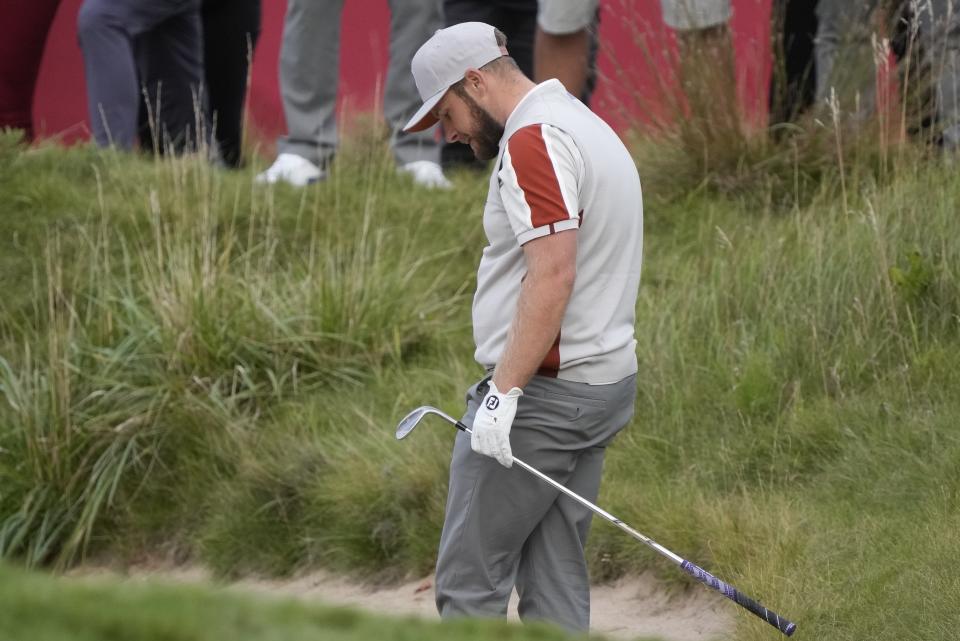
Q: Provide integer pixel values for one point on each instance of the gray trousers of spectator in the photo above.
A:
(126, 41)
(309, 74)
(844, 56)
(505, 528)
(939, 58)
(842, 52)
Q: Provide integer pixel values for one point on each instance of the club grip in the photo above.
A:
(727, 590)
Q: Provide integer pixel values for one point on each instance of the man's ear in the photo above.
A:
(475, 82)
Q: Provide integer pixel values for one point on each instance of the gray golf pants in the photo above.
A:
(506, 528)
(309, 73)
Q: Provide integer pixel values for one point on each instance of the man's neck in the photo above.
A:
(513, 93)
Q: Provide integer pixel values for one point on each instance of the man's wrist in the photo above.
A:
(504, 383)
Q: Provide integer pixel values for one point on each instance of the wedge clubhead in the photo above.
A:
(413, 419)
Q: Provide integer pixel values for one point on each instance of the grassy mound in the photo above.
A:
(195, 366)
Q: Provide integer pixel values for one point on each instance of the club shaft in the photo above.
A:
(599, 510)
(727, 590)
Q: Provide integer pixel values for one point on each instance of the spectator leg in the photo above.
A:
(794, 77)
(939, 34)
(844, 57)
(309, 72)
(711, 95)
(412, 22)
(230, 32)
(171, 66)
(106, 39)
(113, 37)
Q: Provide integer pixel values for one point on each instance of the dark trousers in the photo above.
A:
(794, 83)
(150, 52)
(23, 33)
(230, 32)
(231, 29)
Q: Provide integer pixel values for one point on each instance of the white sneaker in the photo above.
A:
(427, 174)
(291, 168)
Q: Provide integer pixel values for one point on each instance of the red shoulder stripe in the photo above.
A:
(536, 176)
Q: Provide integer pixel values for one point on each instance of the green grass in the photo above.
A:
(196, 366)
(39, 608)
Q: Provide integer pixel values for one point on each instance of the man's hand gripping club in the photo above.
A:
(491, 425)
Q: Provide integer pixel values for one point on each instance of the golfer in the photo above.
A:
(553, 319)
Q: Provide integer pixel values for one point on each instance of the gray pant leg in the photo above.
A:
(552, 579)
(475, 573)
(842, 52)
(939, 33)
(107, 30)
(412, 22)
(498, 520)
(309, 74)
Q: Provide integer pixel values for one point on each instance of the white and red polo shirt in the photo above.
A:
(563, 168)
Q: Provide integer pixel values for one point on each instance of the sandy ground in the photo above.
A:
(631, 608)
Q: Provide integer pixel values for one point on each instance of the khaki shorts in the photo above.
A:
(685, 15)
(559, 17)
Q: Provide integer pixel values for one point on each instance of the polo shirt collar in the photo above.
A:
(544, 87)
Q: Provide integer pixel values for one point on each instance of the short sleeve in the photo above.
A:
(539, 177)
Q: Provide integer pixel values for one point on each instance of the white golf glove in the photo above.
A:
(491, 425)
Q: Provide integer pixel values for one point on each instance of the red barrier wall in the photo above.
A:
(627, 90)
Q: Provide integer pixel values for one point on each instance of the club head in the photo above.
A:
(411, 420)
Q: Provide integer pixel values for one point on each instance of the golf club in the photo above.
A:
(412, 419)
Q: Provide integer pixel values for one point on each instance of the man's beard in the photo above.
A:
(488, 133)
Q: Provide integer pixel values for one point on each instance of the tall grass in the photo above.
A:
(185, 331)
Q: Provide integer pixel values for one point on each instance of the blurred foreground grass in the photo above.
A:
(40, 608)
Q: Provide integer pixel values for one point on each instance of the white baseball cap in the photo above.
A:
(443, 60)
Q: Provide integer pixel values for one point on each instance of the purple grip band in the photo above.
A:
(727, 590)
(702, 575)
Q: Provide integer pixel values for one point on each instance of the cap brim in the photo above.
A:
(423, 119)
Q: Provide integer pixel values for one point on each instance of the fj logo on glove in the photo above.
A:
(493, 403)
